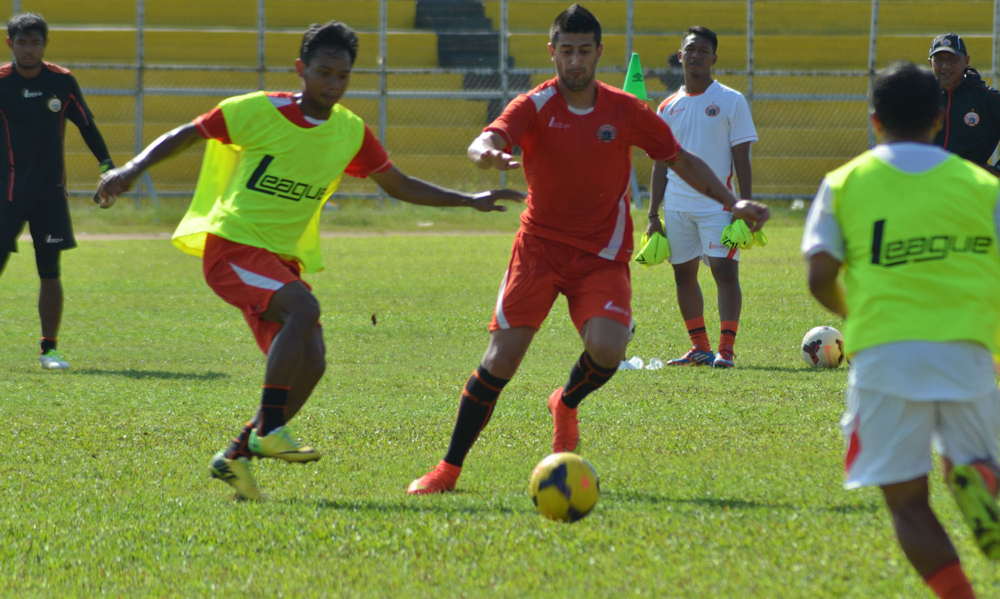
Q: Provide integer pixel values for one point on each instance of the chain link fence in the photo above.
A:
(427, 82)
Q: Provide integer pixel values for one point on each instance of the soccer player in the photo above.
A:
(36, 98)
(272, 161)
(712, 121)
(576, 234)
(972, 116)
(915, 229)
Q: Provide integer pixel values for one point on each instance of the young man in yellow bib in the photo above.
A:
(915, 229)
(272, 161)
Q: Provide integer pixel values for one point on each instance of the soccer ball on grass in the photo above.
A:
(564, 487)
(823, 347)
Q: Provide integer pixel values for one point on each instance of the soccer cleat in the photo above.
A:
(725, 358)
(281, 444)
(978, 507)
(694, 357)
(236, 472)
(439, 480)
(565, 427)
(51, 360)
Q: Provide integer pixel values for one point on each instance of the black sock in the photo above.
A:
(272, 408)
(48, 344)
(585, 377)
(238, 445)
(474, 411)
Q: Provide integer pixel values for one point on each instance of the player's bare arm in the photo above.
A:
(414, 191)
(699, 175)
(657, 185)
(487, 151)
(118, 181)
(823, 270)
(741, 163)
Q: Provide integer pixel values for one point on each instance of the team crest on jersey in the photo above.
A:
(54, 104)
(713, 109)
(607, 132)
(971, 119)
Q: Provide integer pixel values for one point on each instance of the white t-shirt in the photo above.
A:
(917, 370)
(707, 125)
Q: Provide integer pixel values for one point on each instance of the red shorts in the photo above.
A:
(247, 277)
(540, 269)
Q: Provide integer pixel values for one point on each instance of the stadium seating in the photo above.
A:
(800, 139)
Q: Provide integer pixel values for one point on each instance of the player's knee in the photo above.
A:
(305, 310)
(608, 353)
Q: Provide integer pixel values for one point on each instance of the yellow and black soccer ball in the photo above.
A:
(564, 487)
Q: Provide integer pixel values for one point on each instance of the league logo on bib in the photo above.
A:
(607, 133)
(971, 119)
(54, 104)
(713, 110)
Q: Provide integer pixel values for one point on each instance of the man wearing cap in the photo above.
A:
(972, 108)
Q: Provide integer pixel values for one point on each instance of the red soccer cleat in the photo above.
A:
(566, 428)
(439, 480)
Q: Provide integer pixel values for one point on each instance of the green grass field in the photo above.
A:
(715, 483)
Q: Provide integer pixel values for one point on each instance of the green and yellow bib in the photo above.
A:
(267, 189)
(921, 252)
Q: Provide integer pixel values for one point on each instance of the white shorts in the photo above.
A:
(696, 234)
(889, 438)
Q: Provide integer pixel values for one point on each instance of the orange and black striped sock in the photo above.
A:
(728, 336)
(474, 412)
(273, 399)
(47, 343)
(949, 582)
(238, 447)
(697, 333)
(585, 378)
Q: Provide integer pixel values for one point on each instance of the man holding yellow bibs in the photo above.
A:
(914, 228)
(272, 161)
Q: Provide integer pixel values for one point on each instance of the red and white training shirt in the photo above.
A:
(371, 158)
(578, 164)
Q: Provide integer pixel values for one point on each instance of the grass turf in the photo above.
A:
(714, 483)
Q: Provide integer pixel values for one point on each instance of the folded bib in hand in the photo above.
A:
(654, 250)
(738, 235)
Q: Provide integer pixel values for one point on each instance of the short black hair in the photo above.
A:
(25, 22)
(575, 19)
(906, 98)
(331, 35)
(706, 33)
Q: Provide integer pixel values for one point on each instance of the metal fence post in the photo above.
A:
(872, 50)
(261, 48)
(17, 7)
(140, 55)
(504, 76)
(383, 87)
(750, 35)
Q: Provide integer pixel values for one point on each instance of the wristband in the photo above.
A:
(653, 216)
(106, 165)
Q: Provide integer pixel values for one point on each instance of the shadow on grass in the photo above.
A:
(409, 505)
(735, 504)
(795, 369)
(151, 374)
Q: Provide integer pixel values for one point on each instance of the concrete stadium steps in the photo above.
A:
(405, 49)
(294, 14)
(771, 17)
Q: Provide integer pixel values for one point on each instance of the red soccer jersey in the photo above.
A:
(371, 158)
(578, 165)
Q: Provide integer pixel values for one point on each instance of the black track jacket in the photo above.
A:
(972, 119)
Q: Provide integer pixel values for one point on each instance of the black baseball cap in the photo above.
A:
(949, 42)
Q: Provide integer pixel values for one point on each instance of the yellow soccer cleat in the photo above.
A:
(282, 444)
(236, 472)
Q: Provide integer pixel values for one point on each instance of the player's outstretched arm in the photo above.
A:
(823, 269)
(117, 181)
(487, 151)
(409, 189)
(699, 175)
